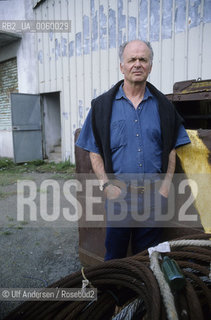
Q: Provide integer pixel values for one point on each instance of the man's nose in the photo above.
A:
(137, 63)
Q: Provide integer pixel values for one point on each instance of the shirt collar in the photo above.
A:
(120, 94)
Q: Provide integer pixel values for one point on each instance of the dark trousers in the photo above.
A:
(117, 240)
(143, 234)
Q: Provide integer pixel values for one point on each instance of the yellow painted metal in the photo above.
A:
(194, 161)
(197, 86)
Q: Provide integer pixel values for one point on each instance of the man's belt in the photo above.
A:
(136, 189)
(132, 188)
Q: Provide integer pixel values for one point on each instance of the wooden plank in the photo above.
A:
(58, 53)
(132, 19)
(52, 56)
(206, 52)
(96, 90)
(72, 114)
(103, 46)
(79, 62)
(193, 52)
(122, 34)
(166, 66)
(45, 40)
(113, 59)
(179, 53)
(87, 76)
(65, 94)
(154, 76)
(40, 53)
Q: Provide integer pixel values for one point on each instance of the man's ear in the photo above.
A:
(121, 67)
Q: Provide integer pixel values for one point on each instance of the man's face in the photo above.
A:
(136, 64)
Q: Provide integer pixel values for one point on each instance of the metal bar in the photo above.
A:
(192, 96)
(198, 117)
(27, 128)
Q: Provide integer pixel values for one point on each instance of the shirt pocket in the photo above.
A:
(153, 133)
(118, 134)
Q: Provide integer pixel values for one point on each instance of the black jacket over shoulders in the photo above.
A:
(170, 121)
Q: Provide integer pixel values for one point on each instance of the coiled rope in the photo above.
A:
(131, 285)
(166, 293)
(168, 298)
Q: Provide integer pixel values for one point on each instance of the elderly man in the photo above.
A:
(132, 129)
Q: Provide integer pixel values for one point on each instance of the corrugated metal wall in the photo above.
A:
(8, 84)
(84, 62)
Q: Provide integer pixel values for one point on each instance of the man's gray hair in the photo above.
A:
(123, 45)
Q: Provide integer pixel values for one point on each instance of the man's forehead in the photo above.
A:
(136, 51)
(135, 47)
(138, 55)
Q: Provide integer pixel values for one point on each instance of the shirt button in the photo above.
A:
(139, 150)
(137, 135)
(140, 165)
(139, 108)
(136, 120)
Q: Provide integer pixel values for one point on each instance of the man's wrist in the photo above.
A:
(102, 186)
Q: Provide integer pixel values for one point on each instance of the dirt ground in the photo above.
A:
(35, 253)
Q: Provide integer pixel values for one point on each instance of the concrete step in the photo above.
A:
(57, 149)
(55, 155)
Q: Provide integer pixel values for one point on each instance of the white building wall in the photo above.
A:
(6, 143)
(52, 126)
(25, 51)
(84, 62)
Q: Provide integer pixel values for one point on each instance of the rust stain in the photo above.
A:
(204, 86)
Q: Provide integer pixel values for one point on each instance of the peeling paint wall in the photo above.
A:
(24, 51)
(8, 84)
(84, 62)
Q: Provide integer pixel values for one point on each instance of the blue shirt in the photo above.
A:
(135, 135)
